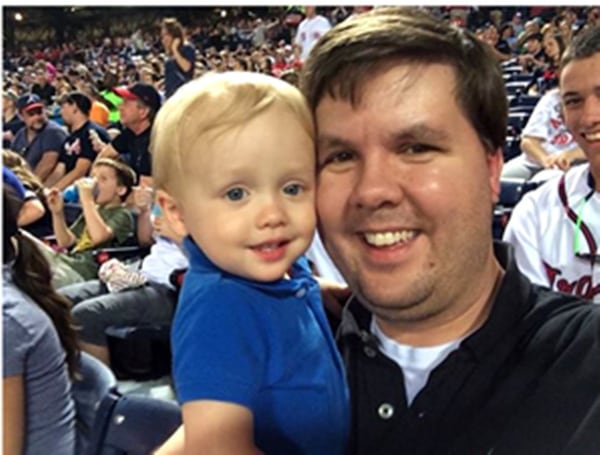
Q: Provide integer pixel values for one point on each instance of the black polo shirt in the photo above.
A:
(526, 382)
(78, 145)
(134, 150)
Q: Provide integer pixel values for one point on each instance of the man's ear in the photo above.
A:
(171, 211)
(495, 162)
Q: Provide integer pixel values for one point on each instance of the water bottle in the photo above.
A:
(71, 193)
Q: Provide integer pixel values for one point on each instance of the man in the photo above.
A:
(42, 87)
(138, 109)
(448, 348)
(533, 57)
(546, 143)
(11, 122)
(77, 153)
(40, 140)
(556, 229)
(309, 31)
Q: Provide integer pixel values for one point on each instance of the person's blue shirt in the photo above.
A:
(264, 346)
(175, 77)
(11, 179)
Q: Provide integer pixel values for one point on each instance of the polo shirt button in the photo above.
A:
(369, 351)
(385, 411)
(300, 293)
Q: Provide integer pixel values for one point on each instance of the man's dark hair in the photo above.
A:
(585, 44)
(348, 56)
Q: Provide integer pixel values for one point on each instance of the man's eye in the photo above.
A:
(571, 101)
(337, 157)
(236, 194)
(417, 148)
(293, 189)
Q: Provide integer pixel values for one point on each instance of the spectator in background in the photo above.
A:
(99, 112)
(40, 140)
(99, 304)
(104, 222)
(546, 143)
(35, 215)
(532, 59)
(140, 104)
(40, 351)
(11, 122)
(42, 87)
(312, 27)
(555, 230)
(179, 67)
(77, 153)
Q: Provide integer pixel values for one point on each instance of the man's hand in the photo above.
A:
(97, 143)
(54, 199)
(143, 197)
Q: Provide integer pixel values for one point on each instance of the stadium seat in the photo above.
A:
(516, 122)
(132, 424)
(140, 353)
(511, 192)
(512, 147)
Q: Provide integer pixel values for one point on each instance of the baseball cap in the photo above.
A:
(143, 92)
(29, 101)
(81, 100)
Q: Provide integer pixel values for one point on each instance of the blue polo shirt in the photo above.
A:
(267, 347)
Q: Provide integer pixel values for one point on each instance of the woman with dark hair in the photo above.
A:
(554, 47)
(40, 351)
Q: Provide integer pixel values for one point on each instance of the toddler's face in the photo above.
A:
(250, 207)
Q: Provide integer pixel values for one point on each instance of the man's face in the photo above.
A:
(533, 45)
(132, 112)
(580, 92)
(67, 112)
(405, 192)
(35, 119)
(8, 106)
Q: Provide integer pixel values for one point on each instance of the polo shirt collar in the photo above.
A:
(200, 262)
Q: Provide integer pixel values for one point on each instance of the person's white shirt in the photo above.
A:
(325, 268)
(309, 32)
(549, 239)
(546, 123)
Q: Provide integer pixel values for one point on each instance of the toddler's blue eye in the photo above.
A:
(293, 189)
(235, 194)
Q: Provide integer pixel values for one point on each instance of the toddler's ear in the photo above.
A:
(171, 212)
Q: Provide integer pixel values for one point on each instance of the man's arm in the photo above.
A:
(532, 147)
(82, 167)
(142, 198)
(46, 165)
(108, 151)
(564, 160)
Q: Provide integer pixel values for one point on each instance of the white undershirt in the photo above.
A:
(416, 363)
